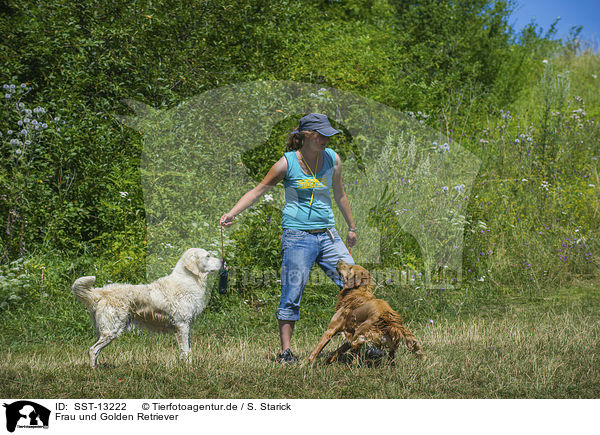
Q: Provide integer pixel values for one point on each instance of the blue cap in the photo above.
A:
(316, 122)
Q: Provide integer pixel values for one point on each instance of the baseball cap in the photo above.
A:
(316, 122)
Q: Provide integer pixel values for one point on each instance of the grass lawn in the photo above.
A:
(547, 347)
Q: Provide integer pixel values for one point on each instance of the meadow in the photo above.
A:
(545, 346)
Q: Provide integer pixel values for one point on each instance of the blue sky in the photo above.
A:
(571, 12)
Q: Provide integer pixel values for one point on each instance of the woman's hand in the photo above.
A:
(227, 219)
(351, 239)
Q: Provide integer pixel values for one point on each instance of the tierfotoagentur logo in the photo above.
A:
(401, 176)
(24, 414)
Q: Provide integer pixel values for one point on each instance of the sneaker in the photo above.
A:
(287, 357)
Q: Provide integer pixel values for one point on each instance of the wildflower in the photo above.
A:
(123, 194)
(459, 188)
(6, 95)
(268, 198)
(23, 85)
(10, 132)
(545, 61)
(445, 189)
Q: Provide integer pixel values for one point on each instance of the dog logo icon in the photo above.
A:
(26, 414)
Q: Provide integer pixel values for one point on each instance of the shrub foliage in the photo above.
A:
(525, 103)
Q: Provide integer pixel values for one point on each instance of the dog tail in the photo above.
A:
(82, 289)
(400, 334)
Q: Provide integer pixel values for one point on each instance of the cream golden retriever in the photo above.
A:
(169, 304)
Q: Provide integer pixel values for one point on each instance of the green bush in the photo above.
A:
(74, 191)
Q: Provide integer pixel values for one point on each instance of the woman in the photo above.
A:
(308, 169)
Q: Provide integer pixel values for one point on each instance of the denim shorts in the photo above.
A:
(299, 251)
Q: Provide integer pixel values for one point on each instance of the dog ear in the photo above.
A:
(191, 264)
(363, 278)
(349, 279)
(357, 278)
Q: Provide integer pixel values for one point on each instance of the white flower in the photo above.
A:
(545, 61)
(123, 194)
(268, 198)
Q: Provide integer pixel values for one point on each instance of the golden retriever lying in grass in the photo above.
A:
(363, 320)
(169, 304)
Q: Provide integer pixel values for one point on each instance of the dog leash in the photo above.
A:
(223, 272)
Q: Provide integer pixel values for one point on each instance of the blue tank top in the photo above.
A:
(298, 213)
